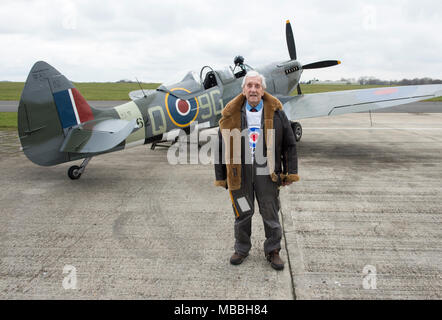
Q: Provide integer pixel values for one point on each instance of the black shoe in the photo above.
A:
(237, 258)
(275, 260)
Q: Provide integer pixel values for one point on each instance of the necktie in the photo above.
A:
(253, 110)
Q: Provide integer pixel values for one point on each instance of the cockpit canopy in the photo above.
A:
(207, 78)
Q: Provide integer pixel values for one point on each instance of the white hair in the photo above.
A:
(254, 74)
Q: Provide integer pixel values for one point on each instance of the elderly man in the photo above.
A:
(264, 159)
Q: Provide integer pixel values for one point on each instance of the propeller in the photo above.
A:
(292, 52)
(290, 40)
(321, 64)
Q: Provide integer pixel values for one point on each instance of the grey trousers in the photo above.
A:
(243, 203)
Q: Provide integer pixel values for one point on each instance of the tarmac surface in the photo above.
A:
(364, 221)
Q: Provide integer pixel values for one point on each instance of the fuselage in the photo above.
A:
(195, 100)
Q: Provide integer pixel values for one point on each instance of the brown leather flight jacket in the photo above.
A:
(281, 141)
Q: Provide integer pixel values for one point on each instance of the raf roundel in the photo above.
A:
(183, 107)
(181, 112)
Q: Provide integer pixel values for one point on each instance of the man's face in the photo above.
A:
(253, 90)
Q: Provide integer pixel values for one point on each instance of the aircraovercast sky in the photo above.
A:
(158, 41)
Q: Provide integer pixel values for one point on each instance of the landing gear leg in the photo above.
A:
(75, 172)
(297, 130)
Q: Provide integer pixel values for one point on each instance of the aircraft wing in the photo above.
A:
(340, 102)
(98, 135)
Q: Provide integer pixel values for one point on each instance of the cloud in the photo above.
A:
(155, 41)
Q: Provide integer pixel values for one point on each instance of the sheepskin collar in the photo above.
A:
(271, 104)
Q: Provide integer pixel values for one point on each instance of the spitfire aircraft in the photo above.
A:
(56, 124)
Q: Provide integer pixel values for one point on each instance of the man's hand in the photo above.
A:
(288, 179)
(221, 183)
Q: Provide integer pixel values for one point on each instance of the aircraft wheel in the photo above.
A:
(74, 172)
(297, 130)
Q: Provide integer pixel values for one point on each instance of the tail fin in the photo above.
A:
(49, 106)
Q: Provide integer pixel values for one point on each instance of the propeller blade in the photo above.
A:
(290, 40)
(321, 64)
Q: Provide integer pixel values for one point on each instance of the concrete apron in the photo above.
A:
(363, 222)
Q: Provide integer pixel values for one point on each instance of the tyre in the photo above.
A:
(297, 130)
(74, 172)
